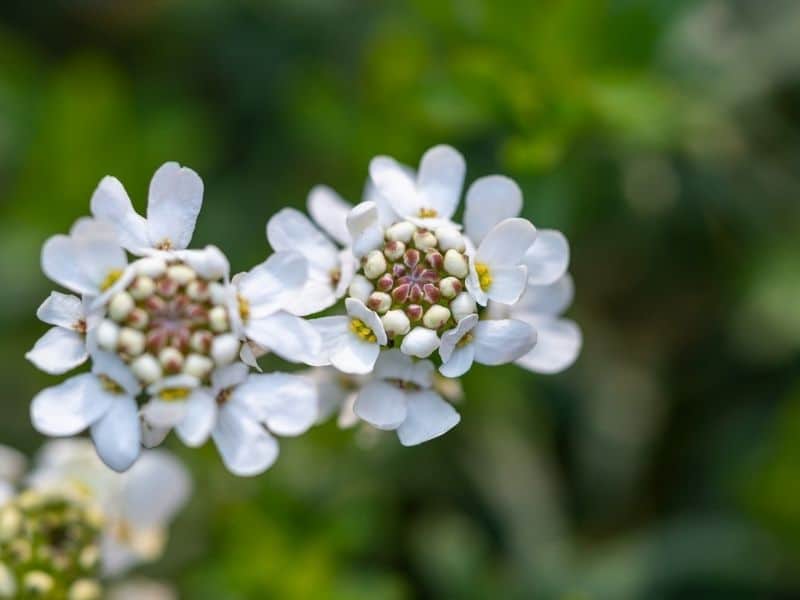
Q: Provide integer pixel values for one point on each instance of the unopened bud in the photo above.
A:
(142, 287)
(431, 293)
(414, 312)
(450, 287)
(167, 287)
(138, 318)
(360, 288)
(121, 306)
(198, 366)
(218, 319)
(375, 264)
(396, 322)
(198, 290)
(217, 293)
(411, 258)
(107, 335)
(435, 260)
(171, 359)
(147, 368)
(182, 274)
(151, 267)
(131, 341)
(455, 263)
(201, 341)
(450, 238)
(379, 302)
(462, 305)
(385, 283)
(394, 250)
(424, 240)
(401, 232)
(436, 316)
(225, 349)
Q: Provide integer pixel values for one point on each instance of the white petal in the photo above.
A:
(364, 227)
(394, 183)
(315, 297)
(156, 488)
(174, 201)
(428, 417)
(12, 463)
(274, 283)
(209, 263)
(420, 342)
(164, 414)
(506, 243)
(286, 404)
(548, 258)
(551, 299)
(111, 203)
(558, 346)
(153, 436)
(439, 181)
(508, 284)
(70, 407)
(289, 229)
(230, 376)
(348, 265)
(358, 310)
(451, 337)
(474, 286)
(490, 200)
(117, 435)
(381, 404)
(503, 341)
(62, 310)
(199, 419)
(112, 366)
(393, 364)
(246, 448)
(290, 337)
(329, 211)
(82, 264)
(460, 361)
(58, 351)
(331, 330)
(354, 355)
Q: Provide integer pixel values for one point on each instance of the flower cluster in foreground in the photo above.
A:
(173, 339)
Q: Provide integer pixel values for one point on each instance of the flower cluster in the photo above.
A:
(174, 339)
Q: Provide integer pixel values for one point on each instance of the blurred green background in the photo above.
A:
(662, 136)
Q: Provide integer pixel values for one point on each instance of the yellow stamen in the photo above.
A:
(465, 340)
(363, 331)
(112, 278)
(427, 213)
(174, 394)
(244, 307)
(165, 244)
(484, 276)
(110, 385)
(336, 277)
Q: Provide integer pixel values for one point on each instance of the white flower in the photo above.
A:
(559, 340)
(141, 589)
(174, 201)
(350, 343)
(136, 506)
(104, 401)
(12, 466)
(260, 304)
(63, 347)
(486, 342)
(336, 393)
(401, 397)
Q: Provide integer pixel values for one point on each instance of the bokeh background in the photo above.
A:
(662, 136)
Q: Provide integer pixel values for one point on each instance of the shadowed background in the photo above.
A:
(662, 136)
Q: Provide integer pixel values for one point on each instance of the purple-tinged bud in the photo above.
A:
(414, 312)
(138, 318)
(142, 287)
(171, 360)
(435, 260)
(400, 293)
(167, 287)
(374, 264)
(157, 339)
(198, 290)
(385, 283)
(394, 249)
(380, 302)
(398, 270)
(415, 293)
(450, 287)
(424, 240)
(411, 258)
(201, 341)
(155, 304)
(431, 292)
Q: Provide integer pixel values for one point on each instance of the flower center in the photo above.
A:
(174, 394)
(427, 213)
(484, 276)
(363, 331)
(110, 385)
(170, 320)
(468, 337)
(111, 278)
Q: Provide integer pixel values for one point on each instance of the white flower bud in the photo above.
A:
(380, 302)
(217, 293)
(182, 274)
(360, 288)
(131, 341)
(401, 232)
(435, 317)
(424, 240)
(225, 349)
(121, 306)
(198, 290)
(147, 368)
(450, 287)
(107, 335)
(394, 250)
(396, 322)
(218, 319)
(142, 287)
(450, 238)
(151, 267)
(171, 359)
(85, 589)
(463, 305)
(198, 366)
(375, 265)
(201, 341)
(455, 263)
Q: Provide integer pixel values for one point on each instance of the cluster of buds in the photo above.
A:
(169, 321)
(418, 276)
(49, 547)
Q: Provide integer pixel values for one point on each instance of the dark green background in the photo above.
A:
(661, 136)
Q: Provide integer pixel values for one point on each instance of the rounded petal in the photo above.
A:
(364, 227)
(156, 488)
(210, 262)
(558, 346)
(439, 181)
(490, 200)
(290, 337)
(460, 362)
(381, 404)
(163, 414)
(273, 284)
(474, 287)
(551, 299)
(70, 407)
(61, 310)
(358, 310)
(110, 202)
(286, 404)
(289, 229)
(502, 341)
(58, 351)
(117, 436)
(354, 355)
(428, 417)
(82, 264)
(451, 338)
(393, 364)
(247, 449)
(506, 243)
(174, 201)
(329, 211)
(548, 258)
(230, 376)
(395, 184)
(113, 367)
(315, 297)
(508, 284)
(420, 342)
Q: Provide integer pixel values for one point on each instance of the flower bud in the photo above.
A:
(415, 293)
(375, 264)
(424, 240)
(462, 305)
(450, 287)
(455, 263)
(431, 293)
(435, 260)
(138, 318)
(411, 258)
(198, 366)
(450, 238)
(414, 312)
(182, 274)
(107, 335)
(142, 287)
(385, 283)
(167, 287)
(150, 267)
(198, 290)
(201, 341)
(436, 316)
(147, 368)
(217, 293)
(171, 359)
(225, 349)
(394, 250)
(218, 319)
(396, 322)
(360, 288)
(401, 232)
(121, 306)
(379, 302)
(131, 341)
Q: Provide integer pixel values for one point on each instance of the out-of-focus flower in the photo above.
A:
(12, 466)
(142, 589)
